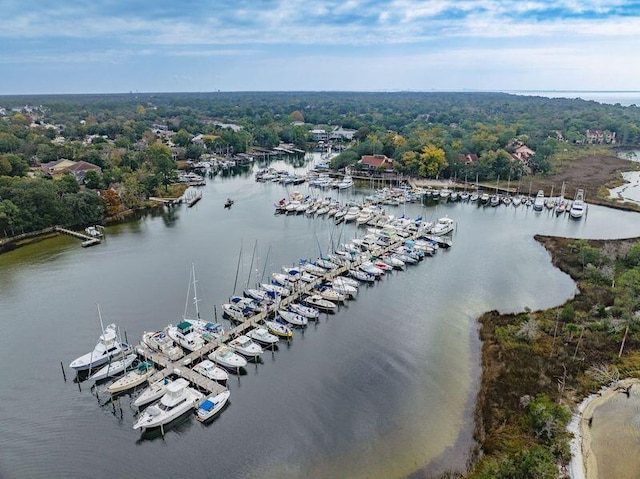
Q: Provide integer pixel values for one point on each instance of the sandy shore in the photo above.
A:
(583, 463)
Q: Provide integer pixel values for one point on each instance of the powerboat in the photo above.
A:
(114, 367)
(246, 347)
(329, 293)
(236, 312)
(186, 336)
(161, 342)
(279, 329)
(538, 203)
(293, 318)
(262, 336)
(224, 356)
(177, 400)
(208, 330)
(275, 289)
(152, 393)
(362, 276)
(107, 347)
(578, 206)
(443, 226)
(212, 406)
(133, 378)
(211, 371)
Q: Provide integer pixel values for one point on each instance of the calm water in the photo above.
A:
(624, 98)
(384, 388)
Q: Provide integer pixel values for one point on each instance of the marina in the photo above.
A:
(310, 408)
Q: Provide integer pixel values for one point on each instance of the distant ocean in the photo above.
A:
(625, 98)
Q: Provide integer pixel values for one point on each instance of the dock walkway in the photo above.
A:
(182, 366)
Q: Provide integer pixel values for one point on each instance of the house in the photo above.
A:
(319, 135)
(340, 133)
(376, 162)
(468, 159)
(78, 169)
(600, 136)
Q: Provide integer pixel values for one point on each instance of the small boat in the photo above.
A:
(211, 371)
(275, 289)
(228, 203)
(208, 330)
(484, 198)
(108, 346)
(186, 336)
(317, 301)
(152, 393)
(262, 336)
(259, 295)
(224, 356)
(279, 329)
(538, 204)
(114, 367)
(362, 276)
(212, 406)
(443, 226)
(133, 378)
(159, 341)
(245, 346)
(368, 267)
(329, 293)
(177, 400)
(578, 206)
(313, 269)
(306, 311)
(292, 318)
(346, 280)
(236, 312)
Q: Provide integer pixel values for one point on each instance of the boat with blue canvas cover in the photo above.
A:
(212, 406)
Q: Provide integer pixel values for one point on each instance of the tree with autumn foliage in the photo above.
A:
(111, 201)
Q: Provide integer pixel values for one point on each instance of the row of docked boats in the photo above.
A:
(268, 313)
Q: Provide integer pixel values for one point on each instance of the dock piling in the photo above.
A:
(63, 374)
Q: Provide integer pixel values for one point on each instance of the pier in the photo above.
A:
(182, 367)
(87, 240)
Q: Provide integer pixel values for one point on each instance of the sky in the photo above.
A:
(113, 46)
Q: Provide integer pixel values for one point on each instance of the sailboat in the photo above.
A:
(476, 195)
(506, 199)
(561, 205)
(495, 198)
(550, 202)
(464, 196)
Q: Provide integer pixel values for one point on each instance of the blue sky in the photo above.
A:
(138, 45)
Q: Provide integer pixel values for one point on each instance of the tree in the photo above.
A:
(297, 116)
(112, 202)
(5, 166)
(432, 161)
(93, 180)
(182, 138)
(8, 211)
(162, 163)
(68, 184)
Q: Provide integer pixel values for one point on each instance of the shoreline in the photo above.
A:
(583, 463)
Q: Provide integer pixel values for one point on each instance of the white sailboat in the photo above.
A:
(578, 208)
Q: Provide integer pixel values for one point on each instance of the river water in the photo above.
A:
(384, 388)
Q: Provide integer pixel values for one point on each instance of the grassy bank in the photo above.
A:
(539, 365)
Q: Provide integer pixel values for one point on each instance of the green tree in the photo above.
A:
(432, 161)
(8, 212)
(93, 180)
(162, 163)
(182, 138)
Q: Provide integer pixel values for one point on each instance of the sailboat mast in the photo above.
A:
(235, 283)
(251, 265)
(195, 292)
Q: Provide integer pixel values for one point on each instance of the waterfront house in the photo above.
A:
(376, 162)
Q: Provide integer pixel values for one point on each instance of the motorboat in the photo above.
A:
(443, 226)
(351, 214)
(161, 342)
(279, 329)
(249, 303)
(484, 198)
(292, 318)
(133, 378)
(186, 336)
(317, 301)
(246, 347)
(211, 371)
(346, 290)
(282, 279)
(538, 203)
(259, 295)
(325, 263)
(107, 347)
(226, 357)
(346, 280)
(347, 182)
(313, 269)
(293, 274)
(151, 393)
(212, 406)
(306, 311)
(262, 336)
(208, 330)
(114, 367)
(578, 206)
(393, 261)
(177, 400)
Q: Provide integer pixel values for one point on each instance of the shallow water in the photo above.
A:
(384, 388)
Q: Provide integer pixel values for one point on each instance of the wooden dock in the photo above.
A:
(86, 239)
(182, 367)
